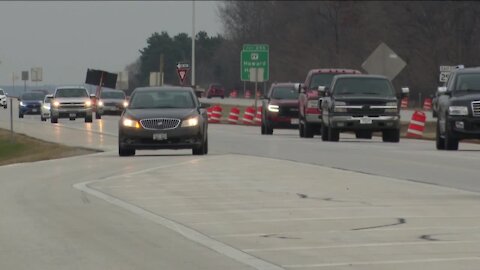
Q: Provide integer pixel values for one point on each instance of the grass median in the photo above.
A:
(28, 149)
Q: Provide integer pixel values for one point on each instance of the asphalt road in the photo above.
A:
(255, 202)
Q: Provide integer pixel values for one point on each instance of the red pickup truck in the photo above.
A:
(310, 117)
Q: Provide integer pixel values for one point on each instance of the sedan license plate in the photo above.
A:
(72, 115)
(159, 136)
(365, 120)
(294, 121)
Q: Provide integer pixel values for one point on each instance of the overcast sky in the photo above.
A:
(66, 38)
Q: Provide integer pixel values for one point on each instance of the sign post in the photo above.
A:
(12, 135)
(24, 79)
(182, 70)
(254, 65)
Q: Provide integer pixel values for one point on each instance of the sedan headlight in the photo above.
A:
(130, 123)
(273, 108)
(22, 104)
(457, 110)
(190, 122)
(46, 106)
(338, 106)
(393, 107)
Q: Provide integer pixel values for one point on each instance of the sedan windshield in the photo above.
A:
(33, 96)
(71, 92)
(363, 87)
(468, 82)
(113, 95)
(162, 99)
(284, 93)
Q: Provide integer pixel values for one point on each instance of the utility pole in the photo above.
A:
(161, 70)
(193, 43)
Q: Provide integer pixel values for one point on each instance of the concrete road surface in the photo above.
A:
(255, 202)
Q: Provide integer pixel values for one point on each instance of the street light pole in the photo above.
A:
(193, 43)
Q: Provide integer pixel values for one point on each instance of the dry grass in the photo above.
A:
(28, 149)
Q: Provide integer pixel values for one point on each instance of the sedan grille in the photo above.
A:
(476, 108)
(160, 123)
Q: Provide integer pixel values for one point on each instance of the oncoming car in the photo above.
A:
(45, 110)
(280, 108)
(110, 102)
(30, 103)
(165, 117)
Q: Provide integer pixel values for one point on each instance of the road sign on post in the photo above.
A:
(445, 72)
(182, 70)
(36, 74)
(384, 61)
(254, 56)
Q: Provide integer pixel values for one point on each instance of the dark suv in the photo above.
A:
(280, 108)
(458, 112)
(362, 104)
(309, 112)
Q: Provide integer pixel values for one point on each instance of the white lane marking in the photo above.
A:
(179, 228)
(325, 218)
(426, 260)
(389, 244)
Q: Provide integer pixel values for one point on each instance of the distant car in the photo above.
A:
(458, 112)
(110, 102)
(71, 102)
(165, 117)
(3, 99)
(310, 115)
(215, 90)
(45, 109)
(30, 103)
(280, 108)
(362, 104)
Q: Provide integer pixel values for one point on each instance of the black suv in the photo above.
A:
(362, 104)
(458, 113)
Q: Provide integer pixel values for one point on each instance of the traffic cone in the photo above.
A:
(216, 114)
(427, 104)
(248, 116)
(233, 116)
(417, 125)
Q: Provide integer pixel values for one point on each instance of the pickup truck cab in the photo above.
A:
(363, 104)
(310, 119)
(458, 112)
(71, 102)
(280, 108)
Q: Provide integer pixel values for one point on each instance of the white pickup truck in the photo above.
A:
(71, 102)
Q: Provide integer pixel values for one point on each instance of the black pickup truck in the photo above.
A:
(363, 104)
(458, 112)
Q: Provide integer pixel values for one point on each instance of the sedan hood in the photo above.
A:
(32, 101)
(140, 114)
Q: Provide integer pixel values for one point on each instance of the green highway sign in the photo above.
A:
(252, 58)
(255, 47)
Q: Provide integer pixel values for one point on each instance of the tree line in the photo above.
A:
(310, 34)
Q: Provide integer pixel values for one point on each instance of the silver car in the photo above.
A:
(45, 109)
(3, 99)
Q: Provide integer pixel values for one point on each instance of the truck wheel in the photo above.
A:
(324, 133)
(5, 106)
(451, 143)
(333, 134)
(268, 130)
(439, 141)
(307, 130)
(20, 115)
(53, 120)
(391, 135)
(263, 129)
(98, 116)
(88, 119)
(43, 118)
(363, 134)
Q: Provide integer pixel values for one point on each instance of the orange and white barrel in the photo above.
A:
(216, 114)
(234, 115)
(404, 103)
(248, 94)
(427, 104)
(248, 116)
(417, 125)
